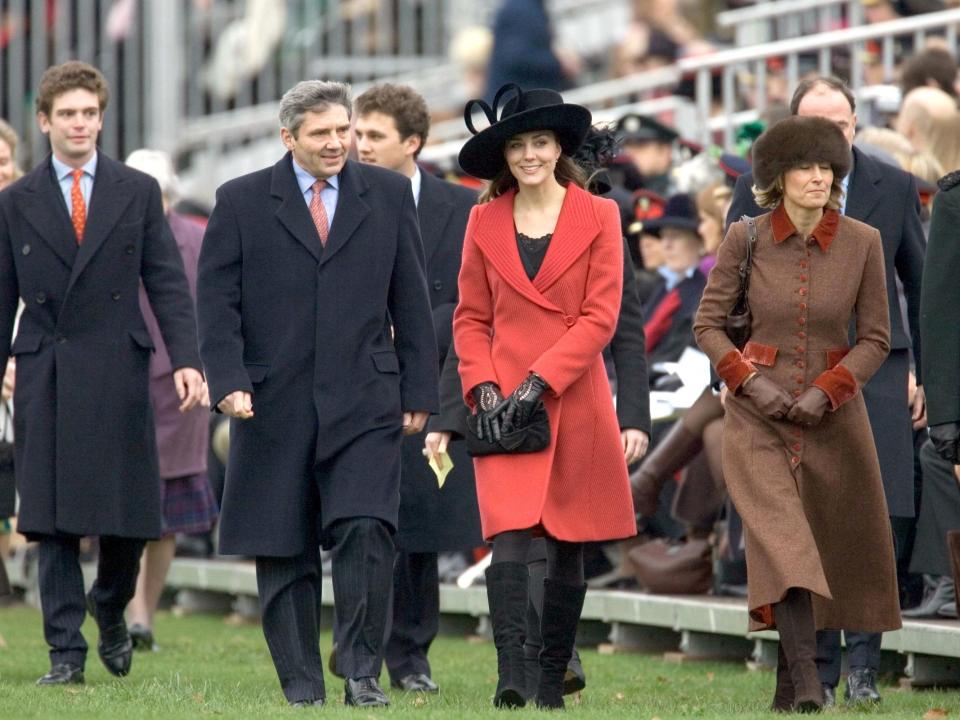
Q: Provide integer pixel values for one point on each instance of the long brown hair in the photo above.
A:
(566, 172)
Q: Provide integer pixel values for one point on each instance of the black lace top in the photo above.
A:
(532, 252)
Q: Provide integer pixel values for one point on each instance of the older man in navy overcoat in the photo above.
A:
(78, 234)
(316, 334)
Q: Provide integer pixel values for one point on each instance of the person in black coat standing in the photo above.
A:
(392, 125)
(316, 335)
(78, 234)
(886, 198)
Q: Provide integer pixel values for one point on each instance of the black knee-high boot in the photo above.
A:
(798, 637)
(562, 605)
(507, 598)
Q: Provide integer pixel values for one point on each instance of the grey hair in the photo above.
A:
(312, 95)
(158, 165)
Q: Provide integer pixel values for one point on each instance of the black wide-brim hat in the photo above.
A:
(528, 110)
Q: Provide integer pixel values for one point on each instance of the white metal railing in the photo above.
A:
(767, 21)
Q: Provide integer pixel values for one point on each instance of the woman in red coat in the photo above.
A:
(540, 289)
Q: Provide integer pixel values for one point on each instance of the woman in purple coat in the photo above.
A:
(182, 437)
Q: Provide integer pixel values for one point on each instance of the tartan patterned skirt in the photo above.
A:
(188, 504)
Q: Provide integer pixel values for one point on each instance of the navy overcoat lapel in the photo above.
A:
(41, 202)
(351, 209)
(433, 211)
(109, 200)
(293, 212)
(863, 192)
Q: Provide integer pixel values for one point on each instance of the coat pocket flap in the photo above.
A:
(760, 354)
(26, 343)
(835, 355)
(256, 372)
(386, 361)
(143, 339)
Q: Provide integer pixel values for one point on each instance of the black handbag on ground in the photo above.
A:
(739, 319)
(532, 437)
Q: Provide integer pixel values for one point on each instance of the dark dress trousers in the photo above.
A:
(886, 198)
(334, 343)
(86, 457)
(432, 519)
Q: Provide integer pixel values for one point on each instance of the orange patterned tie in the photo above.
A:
(78, 210)
(319, 213)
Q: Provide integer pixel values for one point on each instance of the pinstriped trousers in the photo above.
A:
(290, 593)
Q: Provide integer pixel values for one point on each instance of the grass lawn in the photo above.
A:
(209, 669)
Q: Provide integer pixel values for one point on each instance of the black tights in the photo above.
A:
(564, 559)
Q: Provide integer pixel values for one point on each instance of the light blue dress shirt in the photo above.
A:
(846, 187)
(674, 278)
(64, 175)
(328, 196)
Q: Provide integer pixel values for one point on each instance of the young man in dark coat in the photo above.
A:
(78, 234)
(391, 126)
(316, 333)
(886, 198)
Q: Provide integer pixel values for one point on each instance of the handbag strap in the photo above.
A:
(747, 265)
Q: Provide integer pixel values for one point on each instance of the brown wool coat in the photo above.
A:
(811, 499)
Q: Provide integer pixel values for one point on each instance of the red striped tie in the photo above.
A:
(319, 213)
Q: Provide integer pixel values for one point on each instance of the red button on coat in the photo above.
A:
(569, 320)
(799, 379)
(799, 363)
(797, 393)
(802, 291)
(796, 447)
(803, 278)
(802, 320)
(803, 263)
(803, 306)
(801, 334)
(795, 459)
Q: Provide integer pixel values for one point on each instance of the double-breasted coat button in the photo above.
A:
(569, 320)
(437, 285)
(115, 295)
(41, 298)
(26, 249)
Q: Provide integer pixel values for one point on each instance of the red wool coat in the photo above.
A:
(556, 326)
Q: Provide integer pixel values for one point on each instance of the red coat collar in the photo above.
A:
(824, 232)
(576, 229)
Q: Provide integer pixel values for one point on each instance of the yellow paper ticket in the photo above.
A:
(442, 469)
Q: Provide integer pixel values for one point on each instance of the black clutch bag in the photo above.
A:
(532, 437)
(739, 320)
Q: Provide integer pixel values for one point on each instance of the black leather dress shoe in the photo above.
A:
(318, 702)
(332, 663)
(114, 647)
(63, 674)
(829, 696)
(861, 687)
(416, 682)
(142, 638)
(942, 594)
(364, 692)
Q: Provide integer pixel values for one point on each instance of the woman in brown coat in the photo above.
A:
(798, 454)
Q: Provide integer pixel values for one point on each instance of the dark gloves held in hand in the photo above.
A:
(946, 441)
(522, 402)
(809, 408)
(769, 398)
(490, 405)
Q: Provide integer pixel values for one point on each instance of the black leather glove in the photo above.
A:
(490, 405)
(946, 439)
(522, 401)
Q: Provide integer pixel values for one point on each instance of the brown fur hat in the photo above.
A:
(797, 140)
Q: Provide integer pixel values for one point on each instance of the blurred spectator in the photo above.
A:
(9, 169)
(470, 49)
(182, 438)
(920, 107)
(645, 247)
(944, 141)
(647, 155)
(712, 205)
(670, 309)
(524, 52)
(932, 67)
